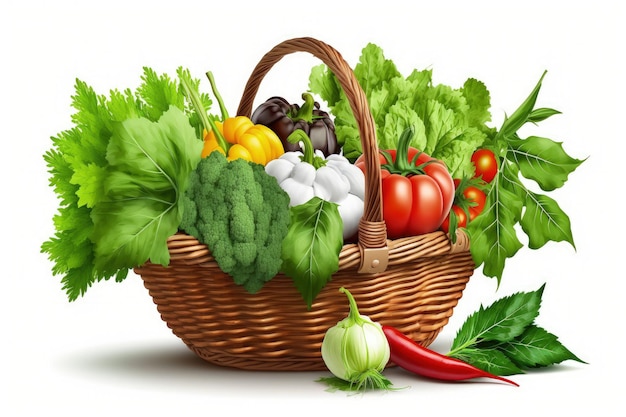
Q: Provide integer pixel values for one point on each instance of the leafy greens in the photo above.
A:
(118, 173)
(503, 338)
(449, 123)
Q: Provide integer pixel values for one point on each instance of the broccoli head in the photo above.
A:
(242, 215)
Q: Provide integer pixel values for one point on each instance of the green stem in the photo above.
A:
(193, 96)
(309, 152)
(402, 165)
(402, 153)
(354, 309)
(217, 95)
(207, 122)
(221, 140)
(306, 111)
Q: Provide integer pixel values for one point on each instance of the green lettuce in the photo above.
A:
(116, 179)
(450, 123)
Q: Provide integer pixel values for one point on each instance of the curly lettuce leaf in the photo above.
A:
(440, 114)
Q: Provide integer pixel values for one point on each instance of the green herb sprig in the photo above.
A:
(503, 338)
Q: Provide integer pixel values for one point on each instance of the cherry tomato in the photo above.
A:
(485, 163)
(461, 219)
(477, 196)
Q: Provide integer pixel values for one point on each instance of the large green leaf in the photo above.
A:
(502, 321)
(493, 234)
(535, 348)
(542, 160)
(149, 166)
(312, 246)
(544, 221)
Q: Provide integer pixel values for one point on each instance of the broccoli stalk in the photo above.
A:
(242, 215)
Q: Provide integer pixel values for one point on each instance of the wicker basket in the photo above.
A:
(411, 283)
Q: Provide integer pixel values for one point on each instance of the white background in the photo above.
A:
(110, 353)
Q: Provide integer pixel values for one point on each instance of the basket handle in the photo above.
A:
(372, 231)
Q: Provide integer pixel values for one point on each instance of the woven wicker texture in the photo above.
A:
(411, 283)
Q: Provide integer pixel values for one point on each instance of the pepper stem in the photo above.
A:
(402, 165)
(354, 309)
(402, 155)
(306, 111)
(217, 95)
(207, 122)
(309, 156)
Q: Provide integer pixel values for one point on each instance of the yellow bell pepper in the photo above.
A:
(243, 139)
(236, 137)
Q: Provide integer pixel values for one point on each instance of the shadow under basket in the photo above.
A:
(410, 283)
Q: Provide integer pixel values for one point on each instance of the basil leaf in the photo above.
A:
(537, 348)
(490, 360)
(502, 321)
(311, 248)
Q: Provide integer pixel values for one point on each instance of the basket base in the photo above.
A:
(272, 330)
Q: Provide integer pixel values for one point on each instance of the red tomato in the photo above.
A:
(486, 164)
(415, 204)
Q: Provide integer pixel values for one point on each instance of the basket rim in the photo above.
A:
(188, 249)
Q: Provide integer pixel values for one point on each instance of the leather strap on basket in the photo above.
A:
(372, 230)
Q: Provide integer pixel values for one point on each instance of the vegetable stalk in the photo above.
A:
(309, 152)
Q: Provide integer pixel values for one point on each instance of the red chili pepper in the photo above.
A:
(413, 357)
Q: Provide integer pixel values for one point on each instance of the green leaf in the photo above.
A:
(537, 348)
(520, 116)
(544, 221)
(325, 84)
(493, 234)
(541, 114)
(311, 248)
(150, 163)
(159, 92)
(502, 321)
(397, 120)
(479, 102)
(542, 160)
(373, 69)
(490, 360)
(90, 179)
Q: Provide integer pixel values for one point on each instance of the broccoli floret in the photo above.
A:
(242, 215)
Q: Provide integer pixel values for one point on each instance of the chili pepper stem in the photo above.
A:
(308, 156)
